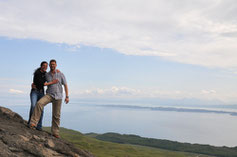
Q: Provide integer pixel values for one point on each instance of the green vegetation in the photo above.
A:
(109, 149)
(168, 145)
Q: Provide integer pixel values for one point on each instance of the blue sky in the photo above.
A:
(122, 50)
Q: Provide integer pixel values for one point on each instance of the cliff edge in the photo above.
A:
(17, 140)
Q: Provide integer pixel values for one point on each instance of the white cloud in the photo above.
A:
(208, 92)
(133, 93)
(15, 91)
(110, 92)
(202, 32)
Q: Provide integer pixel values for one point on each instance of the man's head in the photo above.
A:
(52, 64)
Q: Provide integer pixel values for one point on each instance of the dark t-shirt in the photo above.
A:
(39, 79)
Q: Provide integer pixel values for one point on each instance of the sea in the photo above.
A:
(213, 128)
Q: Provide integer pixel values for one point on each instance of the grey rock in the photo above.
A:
(17, 140)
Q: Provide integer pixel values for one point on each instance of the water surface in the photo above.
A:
(192, 127)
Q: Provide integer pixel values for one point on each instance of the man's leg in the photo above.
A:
(39, 108)
(56, 117)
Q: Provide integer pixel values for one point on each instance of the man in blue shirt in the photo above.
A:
(54, 94)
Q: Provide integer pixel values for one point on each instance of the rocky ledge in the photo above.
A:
(17, 140)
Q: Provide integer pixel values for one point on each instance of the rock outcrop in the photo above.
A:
(17, 140)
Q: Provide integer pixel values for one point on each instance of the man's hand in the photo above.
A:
(33, 86)
(55, 81)
(66, 100)
(50, 83)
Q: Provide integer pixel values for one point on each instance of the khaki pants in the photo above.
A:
(55, 116)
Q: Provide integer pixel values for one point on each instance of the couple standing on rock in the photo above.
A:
(54, 80)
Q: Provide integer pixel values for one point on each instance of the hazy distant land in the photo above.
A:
(175, 109)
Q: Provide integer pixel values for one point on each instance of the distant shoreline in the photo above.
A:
(172, 109)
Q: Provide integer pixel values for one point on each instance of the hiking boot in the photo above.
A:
(32, 126)
(56, 136)
(39, 129)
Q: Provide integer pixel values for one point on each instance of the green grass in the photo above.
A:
(108, 149)
(166, 144)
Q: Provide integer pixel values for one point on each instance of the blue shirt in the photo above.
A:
(55, 90)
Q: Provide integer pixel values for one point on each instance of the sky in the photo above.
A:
(155, 51)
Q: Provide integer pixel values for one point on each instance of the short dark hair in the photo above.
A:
(52, 60)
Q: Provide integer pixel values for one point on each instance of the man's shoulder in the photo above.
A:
(48, 74)
(60, 73)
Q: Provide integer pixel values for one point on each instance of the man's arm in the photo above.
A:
(50, 83)
(66, 92)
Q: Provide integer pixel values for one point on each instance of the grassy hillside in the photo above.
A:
(109, 149)
(168, 145)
